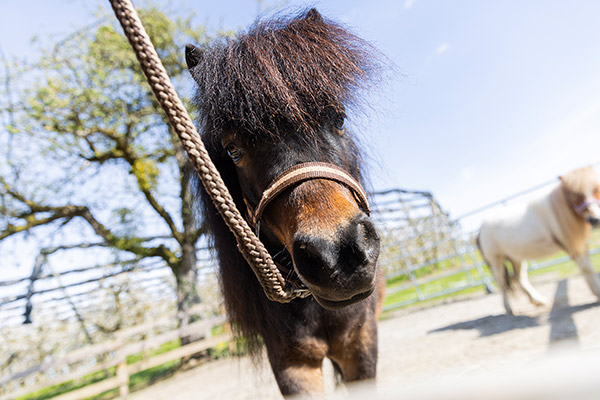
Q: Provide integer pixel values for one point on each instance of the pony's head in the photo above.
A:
(582, 190)
(274, 99)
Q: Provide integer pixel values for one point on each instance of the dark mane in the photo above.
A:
(282, 74)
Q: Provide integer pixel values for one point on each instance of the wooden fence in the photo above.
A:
(114, 353)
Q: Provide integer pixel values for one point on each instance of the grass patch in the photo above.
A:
(401, 296)
(431, 269)
(108, 395)
(142, 379)
(69, 386)
(147, 377)
(566, 268)
(163, 348)
(469, 291)
(438, 285)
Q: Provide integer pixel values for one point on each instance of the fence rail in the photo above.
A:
(114, 353)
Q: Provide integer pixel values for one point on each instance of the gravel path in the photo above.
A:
(465, 338)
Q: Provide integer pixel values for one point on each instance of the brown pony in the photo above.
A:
(271, 99)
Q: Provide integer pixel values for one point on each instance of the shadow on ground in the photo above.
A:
(562, 325)
(560, 319)
(493, 324)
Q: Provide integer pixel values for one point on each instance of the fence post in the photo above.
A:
(123, 374)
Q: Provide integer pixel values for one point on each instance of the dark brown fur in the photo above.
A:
(282, 88)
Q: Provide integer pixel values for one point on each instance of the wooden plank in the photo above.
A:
(153, 324)
(198, 326)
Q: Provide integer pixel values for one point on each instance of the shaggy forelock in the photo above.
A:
(282, 75)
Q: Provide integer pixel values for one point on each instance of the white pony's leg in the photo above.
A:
(498, 270)
(587, 269)
(522, 279)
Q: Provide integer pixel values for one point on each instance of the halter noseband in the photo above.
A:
(579, 208)
(300, 173)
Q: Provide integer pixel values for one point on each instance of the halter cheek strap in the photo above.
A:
(304, 172)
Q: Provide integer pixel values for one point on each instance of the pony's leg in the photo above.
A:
(297, 370)
(522, 279)
(356, 354)
(299, 378)
(587, 269)
(500, 275)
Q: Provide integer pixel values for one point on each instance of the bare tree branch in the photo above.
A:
(68, 212)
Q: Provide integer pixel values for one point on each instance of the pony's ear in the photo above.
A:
(314, 16)
(193, 55)
(560, 178)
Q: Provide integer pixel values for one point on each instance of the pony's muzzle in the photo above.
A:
(341, 270)
(595, 222)
(593, 212)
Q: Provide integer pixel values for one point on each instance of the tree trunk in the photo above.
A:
(187, 290)
(186, 274)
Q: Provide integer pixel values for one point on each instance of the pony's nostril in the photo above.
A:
(360, 244)
(306, 251)
(314, 258)
(353, 256)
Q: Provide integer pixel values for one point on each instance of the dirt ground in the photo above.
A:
(457, 340)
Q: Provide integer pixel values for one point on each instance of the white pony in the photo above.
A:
(561, 220)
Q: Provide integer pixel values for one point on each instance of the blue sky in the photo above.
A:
(489, 98)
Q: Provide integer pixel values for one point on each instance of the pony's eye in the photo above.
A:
(339, 122)
(234, 152)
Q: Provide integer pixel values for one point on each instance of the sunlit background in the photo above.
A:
(486, 98)
(482, 103)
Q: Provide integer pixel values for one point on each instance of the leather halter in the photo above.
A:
(578, 208)
(300, 173)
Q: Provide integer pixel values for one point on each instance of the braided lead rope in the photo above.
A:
(273, 283)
